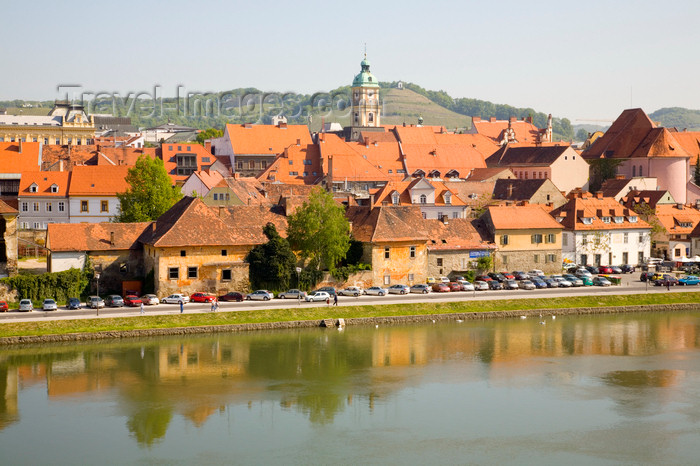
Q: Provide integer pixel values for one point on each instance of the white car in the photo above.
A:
(176, 298)
(150, 299)
(317, 296)
(25, 305)
(466, 286)
(49, 305)
(563, 282)
(444, 280)
(351, 291)
(481, 286)
(376, 291)
(536, 273)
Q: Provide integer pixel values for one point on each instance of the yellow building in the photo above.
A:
(66, 123)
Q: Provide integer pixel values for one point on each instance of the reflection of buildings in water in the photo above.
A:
(9, 382)
(400, 347)
(197, 360)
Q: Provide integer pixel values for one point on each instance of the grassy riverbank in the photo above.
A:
(62, 327)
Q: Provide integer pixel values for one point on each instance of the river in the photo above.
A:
(609, 389)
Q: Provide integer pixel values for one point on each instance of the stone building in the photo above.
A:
(455, 246)
(8, 239)
(66, 123)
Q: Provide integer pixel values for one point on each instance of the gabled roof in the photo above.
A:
(517, 190)
(266, 139)
(585, 206)
(209, 178)
(289, 166)
(649, 197)
(526, 217)
(385, 157)
(525, 131)
(490, 174)
(472, 192)
(6, 209)
(169, 153)
(456, 234)
(103, 180)
(247, 188)
(527, 155)
(190, 222)
(14, 161)
(403, 188)
(387, 224)
(690, 142)
(94, 236)
(678, 220)
(44, 181)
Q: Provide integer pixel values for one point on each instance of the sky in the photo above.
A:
(585, 60)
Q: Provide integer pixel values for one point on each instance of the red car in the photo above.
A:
(604, 269)
(508, 275)
(202, 297)
(132, 301)
(483, 278)
(441, 287)
(454, 286)
(232, 296)
(3, 306)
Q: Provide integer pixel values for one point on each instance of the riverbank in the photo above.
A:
(183, 324)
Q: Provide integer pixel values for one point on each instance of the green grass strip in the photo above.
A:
(293, 313)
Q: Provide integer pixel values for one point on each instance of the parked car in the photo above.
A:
(535, 273)
(430, 280)
(459, 278)
(441, 288)
(95, 302)
(591, 268)
(586, 279)
(328, 289)
(4, 307)
(292, 294)
(575, 281)
(260, 295)
(480, 285)
(497, 276)
(466, 286)
(644, 276)
(351, 291)
(521, 275)
(73, 303)
(483, 278)
(551, 283)
(626, 268)
(582, 272)
(539, 283)
(175, 298)
(150, 299)
(420, 288)
(114, 300)
(49, 305)
(399, 289)
(376, 291)
(317, 296)
(132, 301)
(200, 297)
(604, 269)
(689, 280)
(234, 296)
(444, 280)
(527, 285)
(511, 285)
(508, 275)
(25, 305)
(616, 269)
(665, 279)
(495, 285)
(563, 282)
(601, 281)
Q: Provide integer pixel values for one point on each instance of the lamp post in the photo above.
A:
(97, 277)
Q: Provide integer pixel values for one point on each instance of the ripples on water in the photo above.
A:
(577, 390)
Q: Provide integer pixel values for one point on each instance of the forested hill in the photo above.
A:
(681, 118)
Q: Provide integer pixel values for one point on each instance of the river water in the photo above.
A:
(613, 389)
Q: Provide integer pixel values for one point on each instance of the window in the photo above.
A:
(448, 199)
(536, 258)
(677, 252)
(54, 188)
(605, 219)
(455, 214)
(634, 171)
(425, 215)
(371, 117)
(395, 198)
(386, 253)
(504, 239)
(584, 239)
(410, 277)
(551, 257)
(123, 268)
(33, 188)
(46, 141)
(504, 259)
(387, 279)
(83, 206)
(641, 237)
(186, 164)
(183, 253)
(240, 165)
(216, 197)
(24, 225)
(226, 275)
(641, 172)
(224, 252)
(625, 238)
(189, 148)
(536, 239)
(564, 239)
(206, 159)
(439, 216)
(49, 207)
(584, 259)
(173, 273)
(35, 206)
(191, 272)
(61, 206)
(37, 225)
(412, 252)
(423, 199)
(439, 261)
(550, 238)
(104, 206)
(625, 258)
(25, 207)
(179, 147)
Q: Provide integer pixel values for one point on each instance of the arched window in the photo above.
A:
(448, 198)
(423, 199)
(395, 198)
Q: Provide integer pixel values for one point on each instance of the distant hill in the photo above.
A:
(681, 118)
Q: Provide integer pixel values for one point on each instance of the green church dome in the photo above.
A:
(365, 78)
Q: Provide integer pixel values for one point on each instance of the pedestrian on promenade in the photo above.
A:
(335, 299)
(182, 306)
(142, 310)
(216, 308)
(668, 284)
(213, 305)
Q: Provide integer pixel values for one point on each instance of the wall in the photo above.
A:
(399, 265)
(60, 261)
(94, 214)
(454, 262)
(570, 171)
(522, 254)
(117, 266)
(28, 217)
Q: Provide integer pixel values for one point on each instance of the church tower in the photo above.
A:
(366, 108)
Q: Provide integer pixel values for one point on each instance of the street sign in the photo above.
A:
(298, 269)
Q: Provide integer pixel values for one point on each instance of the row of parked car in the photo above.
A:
(667, 279)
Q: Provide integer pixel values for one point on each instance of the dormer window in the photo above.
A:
(632, 219)
(33, 188)
(618, 219)
(395, 198)
(54, 188)
(605, 219)
(423, 199)
(587, 220)
(448, 198)
(685, 224)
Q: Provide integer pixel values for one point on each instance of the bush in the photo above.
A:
(58, 285)
(342, 273)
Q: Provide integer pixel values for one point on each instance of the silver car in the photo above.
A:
(25, 305)
(95, 302)
(466, 286)
(399, 289)
(49, 305)
(481, 286)
(420, 288)
(292, 294)
(376, 291)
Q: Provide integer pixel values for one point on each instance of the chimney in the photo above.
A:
(207, 145)
(20, 145)
(679, 206)
(153, 227)
(371, 201)
(529, 119)
(513, 119)
(619, 177)
(111, 238)
(492, 119)
(476, 119)
(599, 194)
(366, 141)
(298, 142)
(60, 165)
(510, 190)
(525, 203)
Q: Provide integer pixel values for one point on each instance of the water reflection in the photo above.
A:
(321, 373)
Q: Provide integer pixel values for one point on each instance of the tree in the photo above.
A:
(319, 230)
(151, 192)
(601, 170)
(209, 134)
(581, 135)
(696, 175)
(271, 264)
(484, 263)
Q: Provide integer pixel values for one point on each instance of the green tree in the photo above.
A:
(320, 231)
(696, 174)
(601, 170)
(581, 135)
(208, 134)
(151, 192)
(484, 263)
(271, 264)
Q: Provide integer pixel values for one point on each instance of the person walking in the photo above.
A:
(668, 285)
(335, 299)
(213, 306)
(142, 309)
(182, 306)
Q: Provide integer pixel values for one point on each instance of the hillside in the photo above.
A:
(681, 118)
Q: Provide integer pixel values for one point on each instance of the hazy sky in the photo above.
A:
(580, 60)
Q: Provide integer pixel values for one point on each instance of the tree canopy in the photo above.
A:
(319, 230)
(209, 134)
(151, 192)
(271, 264)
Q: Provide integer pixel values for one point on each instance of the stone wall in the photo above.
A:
(525, 260)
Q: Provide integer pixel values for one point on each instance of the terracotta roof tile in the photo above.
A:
(44, 182)
(289, 167)
(383, 194)
(266, 139)
(169, 152)
(527, 155)
(678, 221)
(105, 180)
(521, 217)
(457, 234)
(525, 132)
(482, 174)
(7, 209)
(94, 236)
(387, 224)
(586, 206)
(12, 161)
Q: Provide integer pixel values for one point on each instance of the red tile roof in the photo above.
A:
(44, 182)
(457, 234)
(525, 132)
(385, 157)
(383, 194)
(491, 174)
(295, 159)
(104, 180)
(94, 236)
(209, 178)
(584, 205)
(7, 209)
(387, 224)
(170, 151)
(266, 139)
(678, 221)
(12, 161)
(525, 217)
